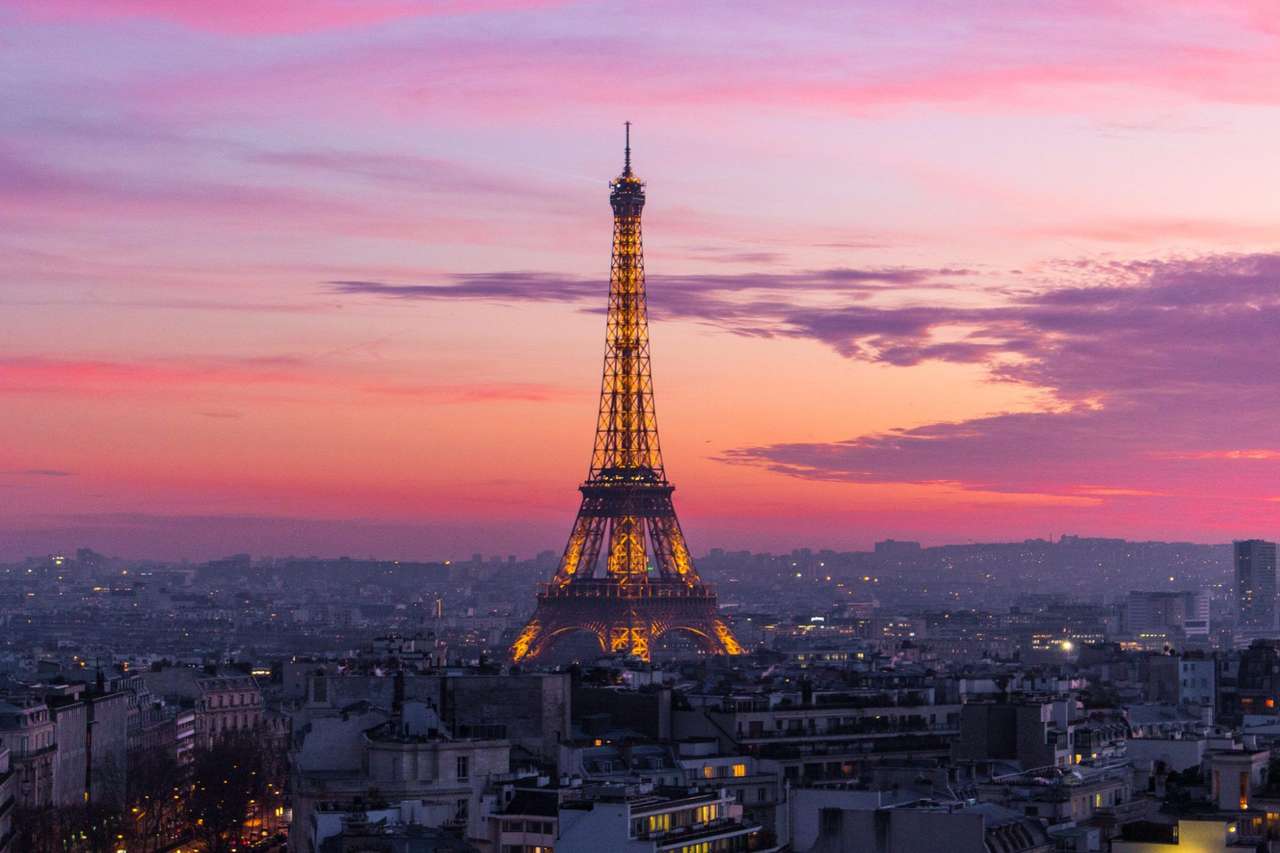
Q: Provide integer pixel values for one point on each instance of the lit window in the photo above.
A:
(739, 770)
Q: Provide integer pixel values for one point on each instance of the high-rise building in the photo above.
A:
(1255, 562)
(896, 548)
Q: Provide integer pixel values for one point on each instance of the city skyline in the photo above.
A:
(319, 280)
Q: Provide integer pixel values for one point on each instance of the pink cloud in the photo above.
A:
(151, 377)
(1157, 231)
(277, 17)
(42, 375)
(1054, 63)
(524, 392)
(35, 191)
(1258, 455)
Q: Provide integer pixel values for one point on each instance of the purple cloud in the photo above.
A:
(1165, 376)
(696, 296)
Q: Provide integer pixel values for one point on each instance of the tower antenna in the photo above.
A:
(627, 163)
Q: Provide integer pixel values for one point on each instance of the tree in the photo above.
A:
(156, 787)
(37, 829)
(92, 828)
(225, 780)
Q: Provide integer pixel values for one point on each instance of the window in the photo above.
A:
(660, 822)
(460, 810)
(464, 768)
(707, 813)
(739, 770)
(708, 772)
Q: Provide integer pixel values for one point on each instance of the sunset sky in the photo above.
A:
(326, 276)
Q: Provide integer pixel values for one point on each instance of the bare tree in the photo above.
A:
(225, 780)
(157, 789)
(37, 830)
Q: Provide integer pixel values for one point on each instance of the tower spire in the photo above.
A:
(626, 170)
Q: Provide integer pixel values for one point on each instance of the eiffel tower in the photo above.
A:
(645, 585)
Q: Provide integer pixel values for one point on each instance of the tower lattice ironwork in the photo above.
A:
(626, 575)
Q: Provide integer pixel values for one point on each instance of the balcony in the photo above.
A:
(868, 745)
(20, 758)
(850, 731)
(718, 828)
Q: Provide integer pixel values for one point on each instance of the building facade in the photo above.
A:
(8, 801)
(27, 730)
(409, 761)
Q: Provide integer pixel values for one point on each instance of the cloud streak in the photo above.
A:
(238, 376)
(707, 297)
(1085, 58)
(278, 18)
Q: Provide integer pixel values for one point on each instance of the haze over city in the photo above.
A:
(327, 277)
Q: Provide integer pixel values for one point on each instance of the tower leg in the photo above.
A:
(530, 639)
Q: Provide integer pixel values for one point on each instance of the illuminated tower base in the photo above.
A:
(625, 619)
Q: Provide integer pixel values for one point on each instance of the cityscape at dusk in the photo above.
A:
(911, 367)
